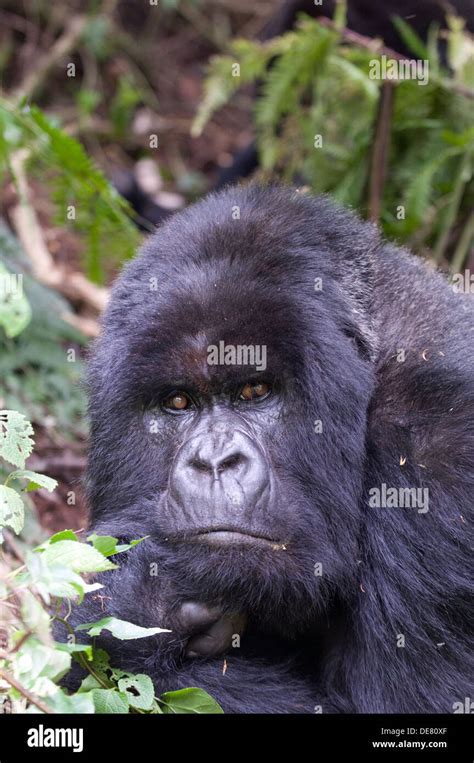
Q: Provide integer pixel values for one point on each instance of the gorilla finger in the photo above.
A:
(218, 638)
(215, 641)
(193, 616)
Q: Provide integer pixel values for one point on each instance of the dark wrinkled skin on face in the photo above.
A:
(263, 548)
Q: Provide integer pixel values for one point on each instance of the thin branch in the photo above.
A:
(27, 225)
(201, 23)
(376, 46)
(24, 691)
(87, 326)
(74, 285)
(57, 463)
(20, 643)
(19, 23)
(465, 244)
(63, 45)
(380, 152)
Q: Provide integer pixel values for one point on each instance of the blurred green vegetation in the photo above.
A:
(313, 82)
(84, 199)
(39, 378)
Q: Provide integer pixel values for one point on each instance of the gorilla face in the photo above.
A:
(229, 397)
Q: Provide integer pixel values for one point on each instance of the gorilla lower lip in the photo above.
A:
(231, 537)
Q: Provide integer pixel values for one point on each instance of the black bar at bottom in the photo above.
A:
(146, 737)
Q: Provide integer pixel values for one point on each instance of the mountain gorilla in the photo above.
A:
(284, 404)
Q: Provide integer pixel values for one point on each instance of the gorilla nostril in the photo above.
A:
(200, 466)
(230, 462)
(216, 464)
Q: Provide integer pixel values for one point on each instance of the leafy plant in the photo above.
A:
(317, 111)
(122, 107)
(34, 594)
(83, 197)
(16, 444)
(15, 311)
(37, 375)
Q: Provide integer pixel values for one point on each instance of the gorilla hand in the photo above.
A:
(196, 629)
(211, 629)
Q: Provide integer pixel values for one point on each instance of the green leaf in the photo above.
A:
(12, 510)
(89, 683)
(291, 74)
(63, 535)
(221, 83)
(120, 629)
(353, 74)
(100, 664)
(16, 442)
(37, 661)
(98, 39)
(127, 546)
(56, 579)
(78, 557)
(35, 617)
(107, 544)
(15, 311)
(85, 649)
(139, 690)
(189, 701)
(78, 704)
(410, 38)
(460, 50)
(110, 701)
(87, 100)
(462, 139)
(35, 480)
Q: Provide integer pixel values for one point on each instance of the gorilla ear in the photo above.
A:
(358, 324)
(363, 343)
(356, 266)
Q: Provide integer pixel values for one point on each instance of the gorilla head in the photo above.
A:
(267, 363)
(230, 392)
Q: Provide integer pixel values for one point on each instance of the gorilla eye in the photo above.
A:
(177, 402)
(254, 391)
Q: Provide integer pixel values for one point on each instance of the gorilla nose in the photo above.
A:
(215, 463)
(216, 476)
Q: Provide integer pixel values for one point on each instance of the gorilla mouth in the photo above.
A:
(227, 536)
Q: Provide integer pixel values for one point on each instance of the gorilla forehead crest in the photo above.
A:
(246, 273)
